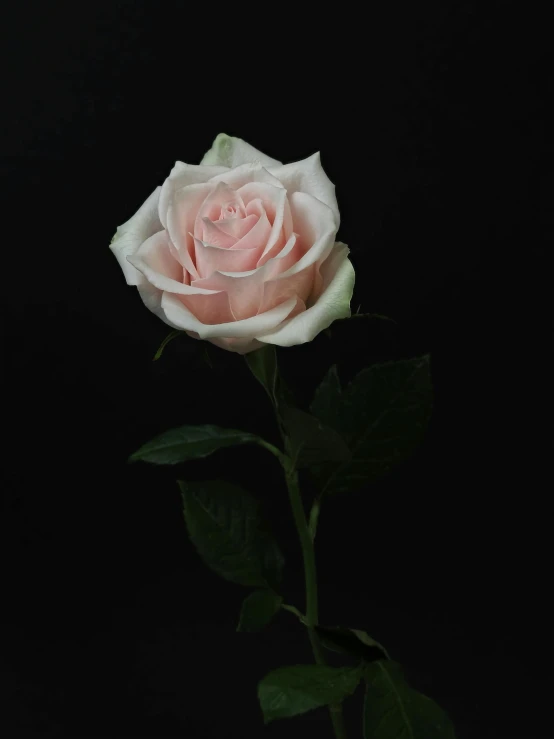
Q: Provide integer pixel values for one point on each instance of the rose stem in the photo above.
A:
(306, 535)
(310, 574)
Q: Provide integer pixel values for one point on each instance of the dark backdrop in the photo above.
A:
(433, 120)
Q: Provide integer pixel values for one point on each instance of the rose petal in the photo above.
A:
(237, 227)
(283, 259)
(181, 217)
(219, 196)
(281, 231)
(212, 258)
(269, 194)
(309, 177)
(152, 299)
(154, 256)
(280, 289)
(246, 173)
(155, 261)
(245, 290)
(277, 209)
(315, 224)
(229, 211)
(212, 234)
(257, 236)
(256, 207)
(180, 176)
(209, 310)
(181, 317)
(133, 232)
(333, 303)
(230, 151)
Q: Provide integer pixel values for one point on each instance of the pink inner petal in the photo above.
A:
(245, 292)
(181, 215)
(287, 220)
(278, 212)
(257, 207)
(237, 227)
(278, 245)
(270, 195)
(230, 210)
(261, 290)
(279, 290)
(300, 307)
(212, 234)
(257, 236)
(210, 259)
(209, 309)
(182, 253)
(222, 197)
(173, 250)
(283, 258)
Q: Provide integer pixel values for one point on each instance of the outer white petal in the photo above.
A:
(155, 261)
(244, 174)
(133, 232)
(308, 176)
(315, 224)
(229, 151)
(152, 299)
(334, 302)
(180, 176)
(181, 317)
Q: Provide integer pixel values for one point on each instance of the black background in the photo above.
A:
(433, 120)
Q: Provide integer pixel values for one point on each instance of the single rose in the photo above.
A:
(240, 250)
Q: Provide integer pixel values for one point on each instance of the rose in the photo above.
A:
(240, 250)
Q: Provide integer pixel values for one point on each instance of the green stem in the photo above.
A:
(310, 575)
(305, 542)
(306, 534)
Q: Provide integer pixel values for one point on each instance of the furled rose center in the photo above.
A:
(233, 222)
(240, 247)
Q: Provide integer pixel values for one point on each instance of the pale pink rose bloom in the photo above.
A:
(240, 250)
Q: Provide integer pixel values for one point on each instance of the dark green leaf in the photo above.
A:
(384, 415)
(193, 442)
(258, 609)
(263, 365)
(351, 641)
(172, 335)
(310, 441)
(393, 710)
(224, 524)
(326, 404)
(289, 691)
